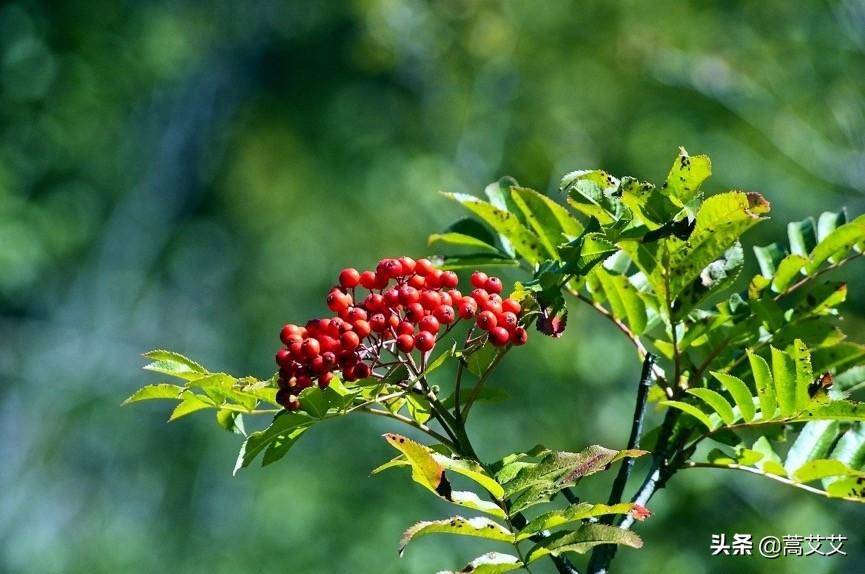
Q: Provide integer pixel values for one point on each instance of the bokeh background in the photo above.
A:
(192, 175)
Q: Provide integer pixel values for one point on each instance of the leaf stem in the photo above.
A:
(636, 431)
(775, 477)
(413, 423)
(476, 391)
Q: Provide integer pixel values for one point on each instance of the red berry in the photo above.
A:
(362, 370)
(449, 280)
(507, 320)
(512, 306)
(499, 336)
(328, 343)
(433, 279)
(445, 298)
(338, 301)
(317, 365)
(347, 358)
(408, 295)
(391, 298)
(283, 357)
(486, 320)
(519, 336)
(408, 265)
(349, 340)
(493, 285)
(430, 299)
(467, 307)
(480, 295)
(405, 328)
(324, 380)
(378, 322)
(296, 348)
(349, 277)
(302, 382)
(393, 321)
(367, 280)
(362, 328)
(348, 373)
(374, 302)
(405, 343)
(445, 314)
(456, 297)
(310, 348)
(288, 332)
(493, 304)
(417, 281)
(429, 324)
(479, 279)
(329, 359)
(414, 312)
(388, 268)
(355, 314)
(424, 341)
(424, 267)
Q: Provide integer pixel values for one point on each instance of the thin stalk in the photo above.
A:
(411, 422)
(774, 477)
(476, 391)
(636, 431)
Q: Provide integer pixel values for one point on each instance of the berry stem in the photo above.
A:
(476, 391)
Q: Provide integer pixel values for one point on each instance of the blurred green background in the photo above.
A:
(192, 175)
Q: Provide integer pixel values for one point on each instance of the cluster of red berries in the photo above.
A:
(408, 305)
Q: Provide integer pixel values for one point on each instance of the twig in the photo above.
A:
(476, 391)
(636, 431)
(662, 469)
(775, 477)
(460, 369)
(411, 422)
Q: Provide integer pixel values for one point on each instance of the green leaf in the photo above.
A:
(460, 240)
(550, 221)
(769, 257)
(582, 540)
(471, 470)
(424, 468)
(558, 469)
(281, 429)
(771, 462)
(480, 360)
(571, 514)
(721, 220)
(479, 527)
(506, 224)
(740, 392)
(716, 402)
(418, 407)
(813, 442)
(764, 383)
(686, 176)
(784, 374)
(151, 392)
(691, 410)
(593, 192)
(840, 240)
(473, 261)
(802, 236)
(490, 563)
(231, 421)
(788, 270)
(174, 364)
(189, 404)
(819, 469)
(281, 445)
(625, 302)
(850, 449)
(804, 373)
